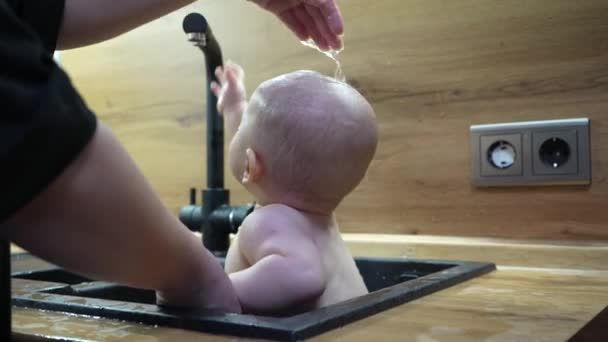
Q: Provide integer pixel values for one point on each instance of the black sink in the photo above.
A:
(391, 282)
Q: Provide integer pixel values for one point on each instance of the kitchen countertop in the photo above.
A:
(542, 290)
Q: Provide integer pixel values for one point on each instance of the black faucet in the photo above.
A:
(215, 218)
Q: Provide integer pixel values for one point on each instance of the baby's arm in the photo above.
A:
(286, 270)
(231, 94)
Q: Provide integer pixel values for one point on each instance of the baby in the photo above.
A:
(302, 143)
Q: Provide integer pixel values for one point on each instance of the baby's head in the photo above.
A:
(305, 140)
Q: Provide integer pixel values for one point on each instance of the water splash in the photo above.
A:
(333, 54)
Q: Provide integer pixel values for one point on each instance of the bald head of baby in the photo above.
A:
(313, 139)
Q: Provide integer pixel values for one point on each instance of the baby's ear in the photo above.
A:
(254, 170)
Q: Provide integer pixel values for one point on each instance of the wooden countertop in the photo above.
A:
(526, 302)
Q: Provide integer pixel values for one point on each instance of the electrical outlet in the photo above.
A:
(557, 152)
(549, 152)
(501, 155)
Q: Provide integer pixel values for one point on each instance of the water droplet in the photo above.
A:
(333, 54)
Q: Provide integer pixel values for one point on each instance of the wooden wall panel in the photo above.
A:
(431, 68)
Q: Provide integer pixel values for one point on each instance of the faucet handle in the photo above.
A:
(238, 215)
(227, 219)
(192, 196)
(191, 215)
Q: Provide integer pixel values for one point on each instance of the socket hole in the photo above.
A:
(554, 152)
(501, 155)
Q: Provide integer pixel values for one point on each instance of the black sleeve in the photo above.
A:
(42, 17)
(44, 123)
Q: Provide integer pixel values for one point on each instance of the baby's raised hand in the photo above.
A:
(230, 90)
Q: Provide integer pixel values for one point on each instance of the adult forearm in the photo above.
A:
(101, 218)
(91, 21)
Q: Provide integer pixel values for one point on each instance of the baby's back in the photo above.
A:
(343, 278)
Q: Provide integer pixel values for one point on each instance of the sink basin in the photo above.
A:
(391, 282)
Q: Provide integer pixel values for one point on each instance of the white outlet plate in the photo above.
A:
(529, 167)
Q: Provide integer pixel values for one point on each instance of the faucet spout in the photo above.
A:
(199, 33)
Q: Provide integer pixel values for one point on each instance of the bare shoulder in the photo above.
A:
(271, 220)
(272, 229)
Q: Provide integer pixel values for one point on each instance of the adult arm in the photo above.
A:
(91, 21)
(101, 218)
(87, 22)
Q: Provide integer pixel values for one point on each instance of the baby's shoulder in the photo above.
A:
(272, 219)
(272, 215)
